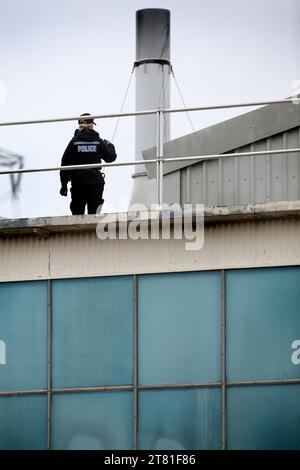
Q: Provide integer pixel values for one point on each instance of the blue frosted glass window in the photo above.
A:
(180, 419)
(264, 417)
(23, 335)
(263, 320)
(179, 328)
(101, 420)
(92, 332)
(23, 422)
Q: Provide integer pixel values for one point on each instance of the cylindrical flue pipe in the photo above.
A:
(152, 72)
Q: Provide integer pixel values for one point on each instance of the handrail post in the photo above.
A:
(159, 155)
(158, 117)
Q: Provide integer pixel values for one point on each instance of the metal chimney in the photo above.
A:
(152, 72)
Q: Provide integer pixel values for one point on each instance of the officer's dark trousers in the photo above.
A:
(89, 195)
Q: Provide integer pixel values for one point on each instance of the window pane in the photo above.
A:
(264, 417)
(179, 328)
(263, 320)
(23, 335)
(92, 421)
(179, 419)
(92, 332)
(23, 422)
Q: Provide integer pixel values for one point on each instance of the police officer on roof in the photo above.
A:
(87, 185)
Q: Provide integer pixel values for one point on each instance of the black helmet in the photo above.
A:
(86, 120)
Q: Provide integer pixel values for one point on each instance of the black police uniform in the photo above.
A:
(87, 185)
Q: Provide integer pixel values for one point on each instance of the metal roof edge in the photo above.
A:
(43, 227)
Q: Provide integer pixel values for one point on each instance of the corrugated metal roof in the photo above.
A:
(229, 135)
(255, 179)
(241, 180)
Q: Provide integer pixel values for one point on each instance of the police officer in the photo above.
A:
(87, 185)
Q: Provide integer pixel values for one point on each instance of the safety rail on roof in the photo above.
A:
(160, 159)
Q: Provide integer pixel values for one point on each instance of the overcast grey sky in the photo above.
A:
(66, 57)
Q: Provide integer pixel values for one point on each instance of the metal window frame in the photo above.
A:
(135, 388)
(135, 362)
(49, 363)
(223, 361)
(130, 388)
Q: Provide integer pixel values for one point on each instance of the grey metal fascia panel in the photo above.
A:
(292, 166)
(228, 135)
(172, 188)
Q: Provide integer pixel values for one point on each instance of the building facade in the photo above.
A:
(125, 344)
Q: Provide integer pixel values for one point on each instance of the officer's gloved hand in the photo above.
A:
(64, 191)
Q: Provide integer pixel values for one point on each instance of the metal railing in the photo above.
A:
(159, 160)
